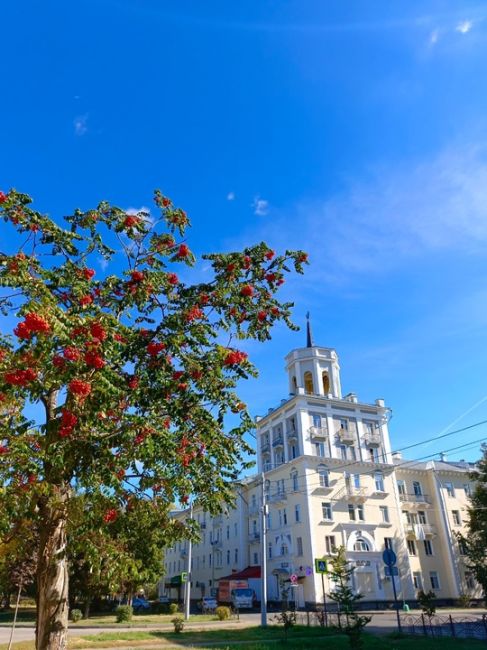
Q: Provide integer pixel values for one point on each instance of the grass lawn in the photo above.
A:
(300, 638)
(102, 620)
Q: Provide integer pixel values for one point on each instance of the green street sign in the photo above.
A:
(321, 565)
(184, 576)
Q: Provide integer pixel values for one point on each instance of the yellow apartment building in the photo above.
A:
(327, 477)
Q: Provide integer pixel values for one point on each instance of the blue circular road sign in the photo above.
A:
(389, 557)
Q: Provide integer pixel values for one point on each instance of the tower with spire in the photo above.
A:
(313, 370)
(315, 420)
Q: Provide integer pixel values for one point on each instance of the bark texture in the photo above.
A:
(52, 573)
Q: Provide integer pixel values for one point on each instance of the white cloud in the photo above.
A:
(80, 124)
(464, 27)
(398, 215)
(103, 263)
(261, 206)
(231, 196)
(434, 36)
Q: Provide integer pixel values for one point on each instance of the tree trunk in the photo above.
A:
(86, 613)
(52, 573)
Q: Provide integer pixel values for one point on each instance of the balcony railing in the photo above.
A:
(415, 499)
(420, 531)
(265, 448)
(352, 493)
(372, 439)
(254, 537)
(278, 442)
(278, 497)
(318, 432)
(292, 434)
(346, 435)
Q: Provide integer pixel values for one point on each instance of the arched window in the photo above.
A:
(324, 476)
(295, 385)
(308, 383)
(361, 545)
(326, 383)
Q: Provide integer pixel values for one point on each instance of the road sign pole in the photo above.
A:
(325, 613)
(396, 602)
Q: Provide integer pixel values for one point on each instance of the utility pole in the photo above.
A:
(263, 554)
(187, 587)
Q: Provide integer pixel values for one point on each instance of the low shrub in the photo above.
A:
(162, 608)
(178, 623)
(173, 608)
(124, 613)
(76, 615)
(223, 612)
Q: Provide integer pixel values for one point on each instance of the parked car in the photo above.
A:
(140, 604)
(208, 604)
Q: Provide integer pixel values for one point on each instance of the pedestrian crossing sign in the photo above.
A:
(321, 565)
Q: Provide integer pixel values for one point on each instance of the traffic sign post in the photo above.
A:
(321, 566)
(390, 560)
(184, 576)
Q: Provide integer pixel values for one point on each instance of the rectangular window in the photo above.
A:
(417, 489)
(320, 449)
(384, 513)
(468, 489)
(428, 547)
(401, 487)
(417, 581)
(343, 452)
(299, 546)
(411, 547)
(344, 424)
(450, 490)
(379, 482)
(326, 510)
(330, 545)
(235, 530)
(456, 517)
(209, 559)
(389, 543)
(462, 547)
(236, 556)
(360, 513)
(356, 480)
(297, 513)
(256, 559)
(279, 512)
(270, 550)
(434, 580)
(351, 512)
(373, 454)
(228, 556)
(422, 517)
(284, 516)
(295, 482)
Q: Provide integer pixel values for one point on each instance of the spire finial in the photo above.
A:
(309, 336)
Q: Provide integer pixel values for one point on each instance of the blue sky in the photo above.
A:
(356, 131)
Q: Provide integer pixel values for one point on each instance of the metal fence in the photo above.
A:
(464, 627)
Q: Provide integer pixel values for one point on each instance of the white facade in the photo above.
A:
(330, 479)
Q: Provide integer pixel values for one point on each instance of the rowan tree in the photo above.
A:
(135, 370)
